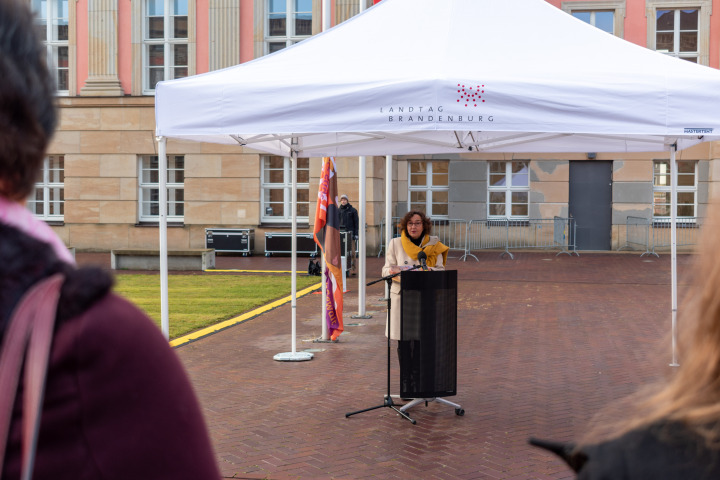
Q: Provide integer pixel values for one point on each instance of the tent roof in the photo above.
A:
(450, 76)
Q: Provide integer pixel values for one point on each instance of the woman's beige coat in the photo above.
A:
(396, 255)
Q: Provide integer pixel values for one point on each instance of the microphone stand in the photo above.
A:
(388, 399)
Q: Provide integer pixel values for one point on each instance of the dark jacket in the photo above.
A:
(118, 403)
(660, 452)
(349, 219)
(665, 451)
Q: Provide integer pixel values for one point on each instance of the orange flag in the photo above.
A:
(327, 236)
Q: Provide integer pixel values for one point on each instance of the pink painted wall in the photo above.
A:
(715, 36)
(125, 46)
(202, 36)
(247, 25)
(635, 32)
(81, 36)
(636, 23)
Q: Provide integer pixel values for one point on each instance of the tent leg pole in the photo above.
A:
(388, 210)
(162, 212)
(293, 247)
(361, 242)
(673, 249)
(293, 355)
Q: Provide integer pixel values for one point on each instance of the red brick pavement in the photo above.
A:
(543, 343)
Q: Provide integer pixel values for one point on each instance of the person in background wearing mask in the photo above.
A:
(349, 223)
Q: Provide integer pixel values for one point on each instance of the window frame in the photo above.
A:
(144, 187)
(677, 33)
(661, 219)
(704, 8)
(168, 44)
(429, 188)
(615, 6)
(46, 185)
(286, 187)
(508, 189)
(52, 45)
(290, 37)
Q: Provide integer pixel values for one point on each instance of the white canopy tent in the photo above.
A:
(450, 76)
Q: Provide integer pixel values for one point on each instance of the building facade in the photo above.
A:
(99, 182)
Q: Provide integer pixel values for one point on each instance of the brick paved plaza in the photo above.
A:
(543, 343)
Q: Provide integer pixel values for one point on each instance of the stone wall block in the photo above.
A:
(632, 171)
(125, 165)
(117, 212)
(82, 166)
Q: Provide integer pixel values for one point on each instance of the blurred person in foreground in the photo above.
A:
(402, 252)
(669, 430)
(118, 404)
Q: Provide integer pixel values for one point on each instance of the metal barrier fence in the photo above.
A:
(473, 235)
(452, 233)
(686, 228)
(512, 234)
(656, 234)
(637, 232)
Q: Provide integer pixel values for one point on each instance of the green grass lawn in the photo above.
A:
(198, 301)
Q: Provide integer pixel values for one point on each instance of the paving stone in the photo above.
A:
(544, 342)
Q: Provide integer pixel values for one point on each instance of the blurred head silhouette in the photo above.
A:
(27, 106)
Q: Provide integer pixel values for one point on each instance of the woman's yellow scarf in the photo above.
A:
(432, 251)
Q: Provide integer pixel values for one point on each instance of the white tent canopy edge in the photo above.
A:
(424, 81)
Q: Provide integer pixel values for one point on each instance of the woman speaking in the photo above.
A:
(402, 252)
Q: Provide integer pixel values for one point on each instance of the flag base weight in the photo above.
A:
(321, 340)
(293, 357)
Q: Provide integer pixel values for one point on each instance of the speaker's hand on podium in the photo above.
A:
(393, 271)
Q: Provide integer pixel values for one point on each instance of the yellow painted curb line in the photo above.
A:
(250, 271)
(246, 316)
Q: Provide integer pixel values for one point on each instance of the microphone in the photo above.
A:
(422, 257)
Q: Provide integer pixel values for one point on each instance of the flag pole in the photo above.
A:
(325, 334)
(293, 355)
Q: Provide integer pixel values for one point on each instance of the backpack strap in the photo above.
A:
(28, 335)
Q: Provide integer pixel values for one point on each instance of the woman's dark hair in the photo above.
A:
(427, 224)
(27, 105)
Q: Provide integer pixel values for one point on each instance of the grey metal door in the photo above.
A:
(591, 203)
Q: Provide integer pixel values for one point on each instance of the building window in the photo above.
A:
(51, 17)
(676, 33)
(276, 202)
(680, 28)
(607, 15)
(288, 22)
(686, 190)
(602, 19)
(165, 42)
(149, 191)
(508, 190)
(47, 200)
(428, 188)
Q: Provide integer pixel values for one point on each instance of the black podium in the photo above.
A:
(428, 345)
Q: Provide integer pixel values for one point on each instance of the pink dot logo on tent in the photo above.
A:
(470, 95)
